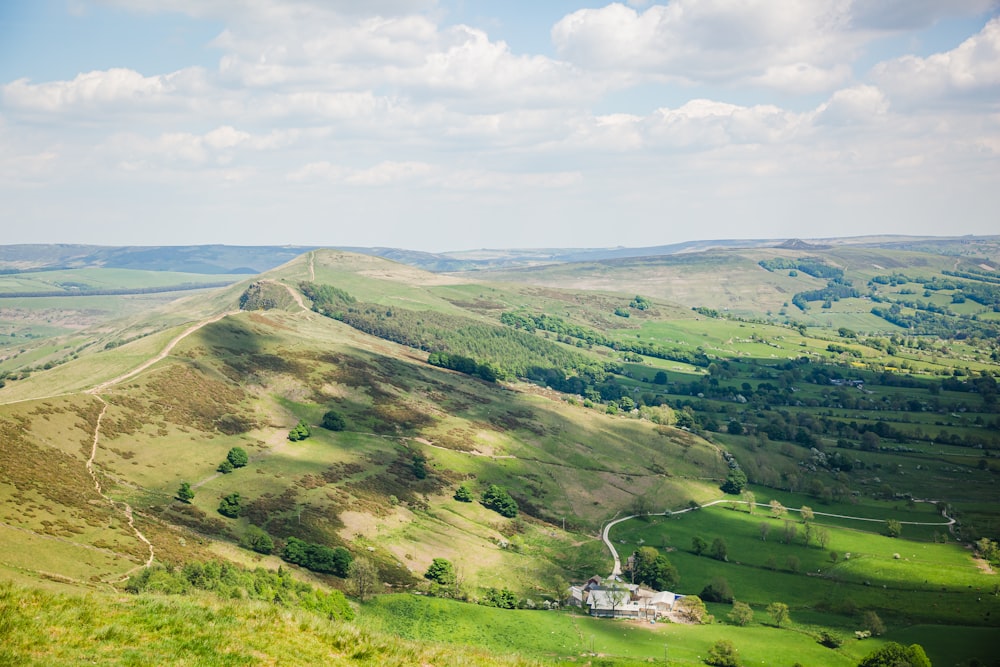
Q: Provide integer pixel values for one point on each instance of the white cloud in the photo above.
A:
(779, 42)
(857, 105)
(970, 69)
(426, 175)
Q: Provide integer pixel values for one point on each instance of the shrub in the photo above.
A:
(497, 499)
(256, 539)
(463, 494)
(333, 421)
(225, 467)
(231, 506)
(723, 654)
(237, 456)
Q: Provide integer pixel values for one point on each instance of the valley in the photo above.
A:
(856, 381)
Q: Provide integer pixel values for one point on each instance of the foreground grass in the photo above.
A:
(38, 628)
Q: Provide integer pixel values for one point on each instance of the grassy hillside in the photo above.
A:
(596, 403)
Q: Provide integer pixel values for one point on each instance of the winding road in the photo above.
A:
(617, 570)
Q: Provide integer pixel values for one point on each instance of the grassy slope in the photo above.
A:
(278, 367)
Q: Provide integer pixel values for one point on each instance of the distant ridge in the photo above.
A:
(799, 244)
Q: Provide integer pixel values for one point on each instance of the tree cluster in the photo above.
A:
(317, 557)
(500, 501)
(300, 432)
(653, 569)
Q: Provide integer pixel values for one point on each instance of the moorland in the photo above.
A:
(302, 455)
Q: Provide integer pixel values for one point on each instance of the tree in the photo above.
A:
(896, 655)
(735, 482)
(778, 611)
(872, 623)
(807, 514)
(750, 499)
(462, 494)
(333, 421)
(741, 614)
(225, 467)
(497, 499)
(777, 509)
(256, 539)
(231, 506)
(653, 569)
(419, 466)
(362, 578)
(184, 493)
(300, 432)
(717, 590)
(790, 531)
(617, 595)
(734, 427)
(719, 549)
(237, 456)
(441, 571)
(764, 528)
(698, 545)
(692, 608)
(893, 528)
(660, 378)
(723, 654)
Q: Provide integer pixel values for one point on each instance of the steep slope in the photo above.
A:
(384, 485)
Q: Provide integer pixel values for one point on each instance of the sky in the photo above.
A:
(460, 124)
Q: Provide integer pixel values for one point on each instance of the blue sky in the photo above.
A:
(466, 124)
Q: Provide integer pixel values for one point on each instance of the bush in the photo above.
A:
(256, 539)
(184, 493)
(723, 654)
(225, 467)
(741, 614)
(300, 432)
(441, 571)
(333, 421)
(231, 506)
(497, 499)
(717, 590)
(237, 456)
(462, 494)
(830, 641)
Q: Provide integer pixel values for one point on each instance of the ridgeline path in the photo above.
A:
(94, 391)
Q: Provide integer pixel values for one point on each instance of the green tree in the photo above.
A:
(441, 571)
(333, 421)
(896, 655)
(778, 611)
(653, 569)
(660, 378)
(225, 467)
(698, 545)
(717, 590)
(231, 506)
(185, 494)
(362, 578)
(719, 550)
(237, 456)
(735, 482)
(893, 528)
(497, 499)
(723, 654)
(300, 432)
(741, 614)
(692, 608)
(777, 509)
(419, 466)
(463, 494)
(256, 539)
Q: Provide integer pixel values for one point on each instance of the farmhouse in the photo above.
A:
(616, 599)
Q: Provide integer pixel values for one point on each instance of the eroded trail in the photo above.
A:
(126, 509)
(161, 356)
